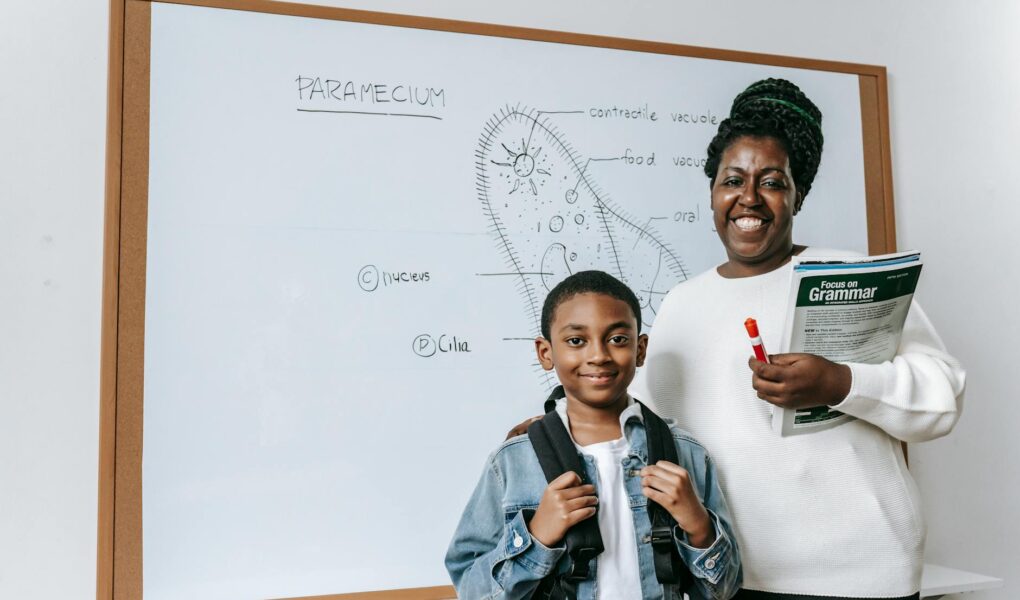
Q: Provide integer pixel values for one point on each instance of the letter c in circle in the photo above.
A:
(368, 278)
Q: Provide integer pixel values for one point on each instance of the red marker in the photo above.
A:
(759, 349)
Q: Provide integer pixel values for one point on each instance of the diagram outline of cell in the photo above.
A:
(549, 218)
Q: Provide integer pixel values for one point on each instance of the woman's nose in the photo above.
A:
(749, 195)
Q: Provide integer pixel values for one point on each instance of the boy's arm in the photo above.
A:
(490, 557)
(716, 568)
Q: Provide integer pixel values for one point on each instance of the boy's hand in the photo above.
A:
(670, 485)
(800, 380)
(564, 504)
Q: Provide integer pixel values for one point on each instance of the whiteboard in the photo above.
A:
(350, 231)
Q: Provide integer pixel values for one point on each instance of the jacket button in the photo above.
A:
(519, 541)
(710, 564)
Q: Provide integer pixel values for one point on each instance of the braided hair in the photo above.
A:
(774, 108)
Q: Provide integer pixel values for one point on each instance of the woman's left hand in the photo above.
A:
(800, 380)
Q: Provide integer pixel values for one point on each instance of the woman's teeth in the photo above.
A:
(748, 223)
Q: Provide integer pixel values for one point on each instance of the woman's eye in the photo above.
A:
(774, 183)
(732, 182)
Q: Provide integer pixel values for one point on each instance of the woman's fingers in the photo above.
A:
(766, 371)
(522, 427)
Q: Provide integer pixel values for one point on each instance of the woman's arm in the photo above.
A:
(915, 397)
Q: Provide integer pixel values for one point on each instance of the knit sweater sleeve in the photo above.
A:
(915, 397)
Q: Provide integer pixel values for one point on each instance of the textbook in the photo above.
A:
(846, 309)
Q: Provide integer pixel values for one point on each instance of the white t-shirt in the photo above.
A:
(617, 573)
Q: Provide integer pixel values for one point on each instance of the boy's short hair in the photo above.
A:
(587, 282)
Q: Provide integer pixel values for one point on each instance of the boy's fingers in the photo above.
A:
(580, 514)
(579, 503)
(666, 471)
(576, 491)
(658, 483)
(672, 468)
(653, 493)
(659, 496)
(564, 481)
(656, 473)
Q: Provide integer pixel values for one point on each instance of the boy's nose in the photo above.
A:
(599, 353)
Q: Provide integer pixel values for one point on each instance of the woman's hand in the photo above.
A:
(522, 427)
(564, 503)
(800, 380)
(670, 485)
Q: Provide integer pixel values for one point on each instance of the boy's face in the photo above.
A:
(595, 348)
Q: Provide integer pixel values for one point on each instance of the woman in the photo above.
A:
(828, 514)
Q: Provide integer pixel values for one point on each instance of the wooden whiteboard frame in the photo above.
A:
(119, 547)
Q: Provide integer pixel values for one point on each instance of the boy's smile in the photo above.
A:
(595, 349)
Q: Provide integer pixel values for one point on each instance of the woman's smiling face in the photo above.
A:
(754, 199)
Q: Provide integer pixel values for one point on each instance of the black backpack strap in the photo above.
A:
(557, 455)
(669, 567)
(550, 402)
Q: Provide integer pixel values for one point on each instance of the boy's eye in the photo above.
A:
(619, 340)
(574, 341)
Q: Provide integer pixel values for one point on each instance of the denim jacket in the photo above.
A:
(493, 556)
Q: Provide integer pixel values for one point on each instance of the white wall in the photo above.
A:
(954, 90)
(52, 144)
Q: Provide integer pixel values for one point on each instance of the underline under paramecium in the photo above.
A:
(365, 112)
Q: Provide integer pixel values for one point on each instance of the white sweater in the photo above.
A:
(828, 513)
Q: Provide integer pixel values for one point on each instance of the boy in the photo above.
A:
(511, 534)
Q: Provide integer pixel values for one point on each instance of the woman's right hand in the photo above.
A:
(522, 427)
(565, 503)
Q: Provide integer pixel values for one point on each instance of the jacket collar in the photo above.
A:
(631, 423)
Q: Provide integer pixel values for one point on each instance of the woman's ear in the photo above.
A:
(798, 202)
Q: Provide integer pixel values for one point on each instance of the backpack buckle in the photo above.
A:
(662, 537)
(580, 559)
